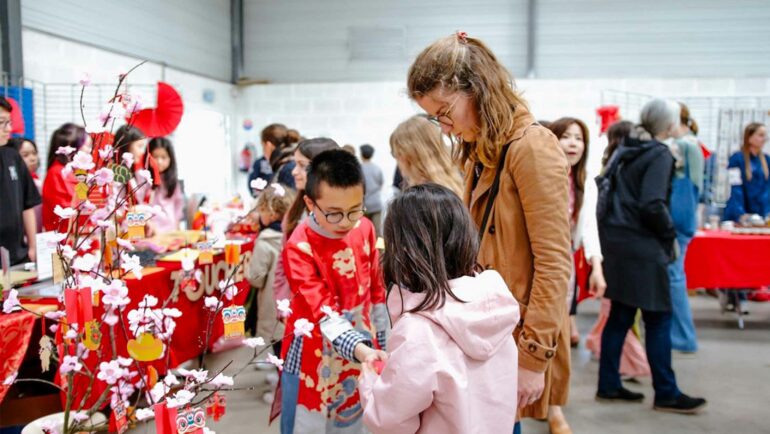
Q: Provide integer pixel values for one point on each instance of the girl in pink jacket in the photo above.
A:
(452, 360)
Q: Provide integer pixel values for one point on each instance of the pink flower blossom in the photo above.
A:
(303, 327)
(53, 328)
(68, 252)
(188, 264)
(195, 375)
(55, 239)
(278, 189)
(87, 207)
(110, 372)
(83, 161)
(105, 152)
(104, 176)
(116, 294)
(254, 342)
(85, 79)
(144, 175)
(275, 361)
(125, 361)
(110, 318)
(131, 263)
(125, 244)
(55, 315)
(71, 333)
(11, 302)
(144, 413)
(133, 103)
(128, 159)
(258, 184)
(50, 427)
(284, 307)
(70, 364)
(64, 213)
(85, 263)
(170, 380)
(221, 380)
(65, 150)
(10, 378)
(148, 301)
(328, 311)
(180, 399)
(212, 303)
(80, 416)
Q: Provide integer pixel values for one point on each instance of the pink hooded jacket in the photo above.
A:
(451, 370)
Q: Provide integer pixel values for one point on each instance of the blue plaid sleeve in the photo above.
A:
(345, 344)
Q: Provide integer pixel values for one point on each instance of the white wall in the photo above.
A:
(364, 40)
(203, 139)
(359, 113)
(191, 35)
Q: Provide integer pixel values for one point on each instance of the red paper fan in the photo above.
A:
(164, 118)
(17, 117)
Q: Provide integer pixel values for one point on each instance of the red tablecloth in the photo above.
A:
(15, 332)
(718, 259)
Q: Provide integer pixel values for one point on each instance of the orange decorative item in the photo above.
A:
(233, 318)
(205, 253)
(232, 253)
(136, 222)
(145, 348)
(152, 376)
(164, 118)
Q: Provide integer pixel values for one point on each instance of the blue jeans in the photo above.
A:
(517, 428)
(657, 326)
(683, 337)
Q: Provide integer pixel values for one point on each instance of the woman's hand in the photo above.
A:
(596, 283)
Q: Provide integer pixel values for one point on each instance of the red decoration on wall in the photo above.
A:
(164, 118)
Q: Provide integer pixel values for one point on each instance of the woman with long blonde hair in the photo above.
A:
(422, 156)
(517, 190)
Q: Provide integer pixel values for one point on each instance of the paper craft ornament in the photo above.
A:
(77, 305)
(378, 365)
(145, 348)
(216, 406)
(121, 174)
(136, 222)
(205, 253)
(93, 335)
(81, 188)
(191, 421)
(57, 267)
(119, 413)
(46, 346)
(232, 253)
(152, 377)
(233, 318)
(165, 419)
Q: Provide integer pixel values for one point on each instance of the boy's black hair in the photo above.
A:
(5, 105)
(337, 168)
(367, 151)
(430, 239)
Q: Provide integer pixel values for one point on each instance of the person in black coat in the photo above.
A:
(638, 241)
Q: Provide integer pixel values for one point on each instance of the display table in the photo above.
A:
(717, 259)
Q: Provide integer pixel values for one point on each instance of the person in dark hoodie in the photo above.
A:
(638, 237)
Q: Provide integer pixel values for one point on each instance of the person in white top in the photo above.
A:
(573, 137)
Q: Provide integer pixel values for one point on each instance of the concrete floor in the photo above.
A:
(731, 370)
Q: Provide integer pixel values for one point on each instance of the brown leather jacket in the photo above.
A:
(527, 241)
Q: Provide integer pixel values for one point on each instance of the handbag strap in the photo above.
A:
(493, 193)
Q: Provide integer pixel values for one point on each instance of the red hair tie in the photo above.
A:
(462, 36)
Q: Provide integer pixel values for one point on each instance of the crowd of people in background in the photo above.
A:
(464, 322)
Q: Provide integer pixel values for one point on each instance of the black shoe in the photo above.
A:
(682, 405)
(621, 394)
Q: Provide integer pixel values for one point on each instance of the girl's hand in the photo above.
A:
(596, 283)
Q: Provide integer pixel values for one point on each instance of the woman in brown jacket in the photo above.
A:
(459, 82)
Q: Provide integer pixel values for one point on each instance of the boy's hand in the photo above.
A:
(368, 356)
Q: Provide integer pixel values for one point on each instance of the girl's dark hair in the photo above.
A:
(616, 133)
(430, 240)
(169, 176)
(578, 172)
(310, 148)
(68, 134)
(124, 137)
(17, 142)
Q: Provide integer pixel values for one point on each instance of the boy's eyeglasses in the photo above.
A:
(5, 124)
(444, 118)
(336, 217)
